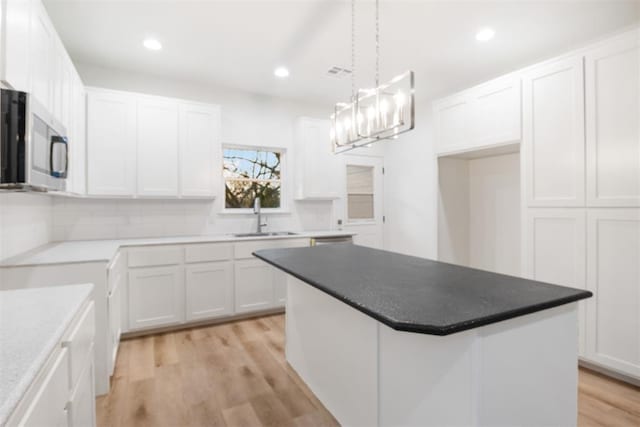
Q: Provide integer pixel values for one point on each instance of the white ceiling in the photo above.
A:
(238, 43)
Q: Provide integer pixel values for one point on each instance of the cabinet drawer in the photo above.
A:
(155, 256)
(79, 343)
(208, 252)
(48, 406)
(243, 250)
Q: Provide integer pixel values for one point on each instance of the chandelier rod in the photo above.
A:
(353, 49)
(377, 44)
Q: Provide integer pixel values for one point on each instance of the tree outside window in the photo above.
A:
(251, 173)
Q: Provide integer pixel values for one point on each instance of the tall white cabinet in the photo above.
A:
(580, 180)
(582, 224)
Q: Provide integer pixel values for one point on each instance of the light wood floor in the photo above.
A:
(235, 374)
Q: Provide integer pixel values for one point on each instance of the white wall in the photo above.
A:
(25, 222)
(247, 119)
(494, 213)
(479, 212)
(410, 189)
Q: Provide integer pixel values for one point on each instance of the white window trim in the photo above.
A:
(284, 182)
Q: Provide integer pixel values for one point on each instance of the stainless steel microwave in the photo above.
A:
(34, 151)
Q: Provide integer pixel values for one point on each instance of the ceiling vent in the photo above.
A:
(338, 72)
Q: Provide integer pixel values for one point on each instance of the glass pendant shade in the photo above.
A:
(374, 114)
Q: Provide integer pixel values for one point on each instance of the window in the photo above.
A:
(360, 193)
(250, 173)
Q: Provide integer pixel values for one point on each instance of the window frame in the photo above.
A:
(284, 205)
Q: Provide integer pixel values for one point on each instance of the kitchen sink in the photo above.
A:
(266, 234)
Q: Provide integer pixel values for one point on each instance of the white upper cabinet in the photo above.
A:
(482, 117)
(316, 166)
(553, 134)
(42, 48)
(612, 89)
(452, 123)
(613, 275)
(111, 143)
(157, 167)
(200, 158)
(156, 147)
(495, 112)
(16, 70)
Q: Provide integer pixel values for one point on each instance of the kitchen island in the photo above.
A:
(385, 339)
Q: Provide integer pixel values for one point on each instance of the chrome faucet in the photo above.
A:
(256, 210)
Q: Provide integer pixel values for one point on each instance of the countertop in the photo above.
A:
(415, 294)
(32, 322)
(83, 251)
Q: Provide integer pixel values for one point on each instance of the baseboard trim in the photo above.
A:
(610, 373)
(209, 322)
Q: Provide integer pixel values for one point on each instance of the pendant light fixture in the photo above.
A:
(383, 112)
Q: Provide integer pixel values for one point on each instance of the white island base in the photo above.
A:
(521, 371)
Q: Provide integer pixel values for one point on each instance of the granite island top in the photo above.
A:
(32, 322)
(415, 294)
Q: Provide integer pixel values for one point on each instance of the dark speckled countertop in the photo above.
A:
(415, 294)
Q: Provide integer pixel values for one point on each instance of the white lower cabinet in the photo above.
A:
(156, 297)
(49, 407)
(63, 392)
(209, 290)
(613, 275)
(254, 285)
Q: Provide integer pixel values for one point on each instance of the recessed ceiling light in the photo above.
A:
(485, 34)
(152, 44)
(281, 72)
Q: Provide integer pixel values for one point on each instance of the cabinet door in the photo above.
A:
(452, 123)
(111, 143)
(317, 167)
(612, 74)
(115, 315)
(200, 164)
(209, 290)
(48, 405)
(157, 148)
(253, 285)
(156, 297)
(554, 251)
(77, 142)
(16, 59)
(553, 134)
(82, 405)
(42, 47)
(613, 275)
(496, 108)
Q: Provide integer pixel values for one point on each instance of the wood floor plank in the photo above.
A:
(270, 411)
(164, 350)
(241, 416)
(236, 374)
(141, 359)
